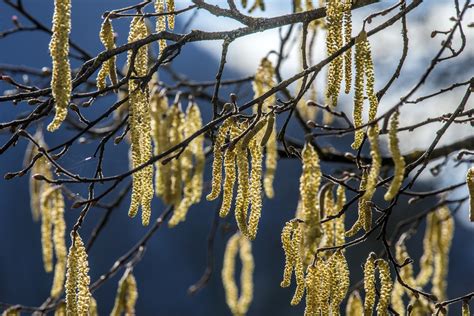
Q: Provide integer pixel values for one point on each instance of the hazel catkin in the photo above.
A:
(61, 83)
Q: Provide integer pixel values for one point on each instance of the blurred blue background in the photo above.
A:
(175, 258)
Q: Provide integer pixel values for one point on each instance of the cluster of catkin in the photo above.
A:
(108, 68)
(433, 264)
(126, 296)
(78, 296)
(326, 280)
(179, 181)
(243, 137)
(264, 81)
(47, 203)
(238, 305)
(61, 84)
(161, 19)
(339, 31)
(139, 122)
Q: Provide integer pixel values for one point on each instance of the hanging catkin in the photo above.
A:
(78, 295)
(61, 85)
(238, 244)
(108, 67)
(398, 160)
(309, 184)
(126, 296)
(334, 41)
(139, 121)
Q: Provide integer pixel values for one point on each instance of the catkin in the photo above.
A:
(465, 310)
(334, 41)
(93, 307)
(243, 196)
(264, 81)
(140, 126)
(347, 15)
(61, 84)
(59, 241)
(160, 22)
(470, 186)
(126, 296)
(256, 154)
(359, 89)
(426, 261)
(108, 67)
(11, 311)
(293, 260)
(309, 184)
(230, 172)
(354, 306)
(385, 287)
(364, 219)
(238, 305)
(444, 235)
(373, 134)
(78, 295)
(312, 279)
(398, 160)
(170, 8)
(369, 284)
(218, 156)
(340, 280)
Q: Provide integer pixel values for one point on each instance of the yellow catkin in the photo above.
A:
(334, 41)
(197, 147)
(426, 261)
(170, 8)
(369, 284)
(328, 206)
(159, 133)
(160, 22)
(364, 220)
(243, 196)
(140, 127)
(465, 310)
(61, 84)
(347, 38)
(444, 235)
(339, 226)
(218, 157)
(372, 178)
(325, 287)
(398, 160)
(359, 89)
(230, 172)
(290, 254)
(309, 184)
(470, 186)
(238, 305)
(370, 83)
(264, 81)
(126, 296)
(78, 295)
(385, 287)
(340, 280)
(354, 306)
(175, 134)
(312, 280)
(108, 67)
(256, 154)
(47, 209)
(298, 266)
(396, 299)
(59, 241)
